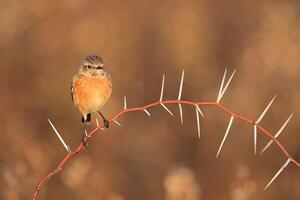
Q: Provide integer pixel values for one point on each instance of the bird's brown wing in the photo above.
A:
(73, 82)
(110, 81)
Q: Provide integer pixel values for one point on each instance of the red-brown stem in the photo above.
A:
(60, 166)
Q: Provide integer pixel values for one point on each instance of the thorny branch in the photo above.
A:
(179, 102)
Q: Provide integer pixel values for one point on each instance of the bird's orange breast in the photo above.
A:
(91, 93)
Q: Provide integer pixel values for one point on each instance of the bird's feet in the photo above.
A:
(84, 140)
(106, 123)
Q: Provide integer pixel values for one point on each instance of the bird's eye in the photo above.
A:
(89, 66)
(99, 67)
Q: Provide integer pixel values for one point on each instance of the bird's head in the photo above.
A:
(92, 65)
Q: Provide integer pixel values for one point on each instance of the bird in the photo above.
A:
(91, 88)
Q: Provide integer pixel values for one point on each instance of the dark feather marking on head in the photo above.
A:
(93, 59)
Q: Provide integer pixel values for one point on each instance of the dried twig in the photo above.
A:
(179, 102)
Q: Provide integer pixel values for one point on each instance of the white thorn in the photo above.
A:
(125, 103)
(255, 138)
(117, 122)
(167, 109)
(147, 112)
(85, 132)
(180, 112)
(226, 86)
(284, 125)
(179, 96)
(59, 137)
(199, 110)
(267, 146)
(222, 83)
(97, 123)
(225, 136)
(265, 111)
(162, 88)
(278, 133)
(280, 170)
(198, 122)
(181, 84)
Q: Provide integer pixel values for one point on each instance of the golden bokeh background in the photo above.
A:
(42, 44)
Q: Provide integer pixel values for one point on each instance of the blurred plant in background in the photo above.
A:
(242, 187)
(180, 183)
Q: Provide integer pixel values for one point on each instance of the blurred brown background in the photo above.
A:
(42, 44)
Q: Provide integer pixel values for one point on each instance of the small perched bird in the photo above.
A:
(91, 87)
